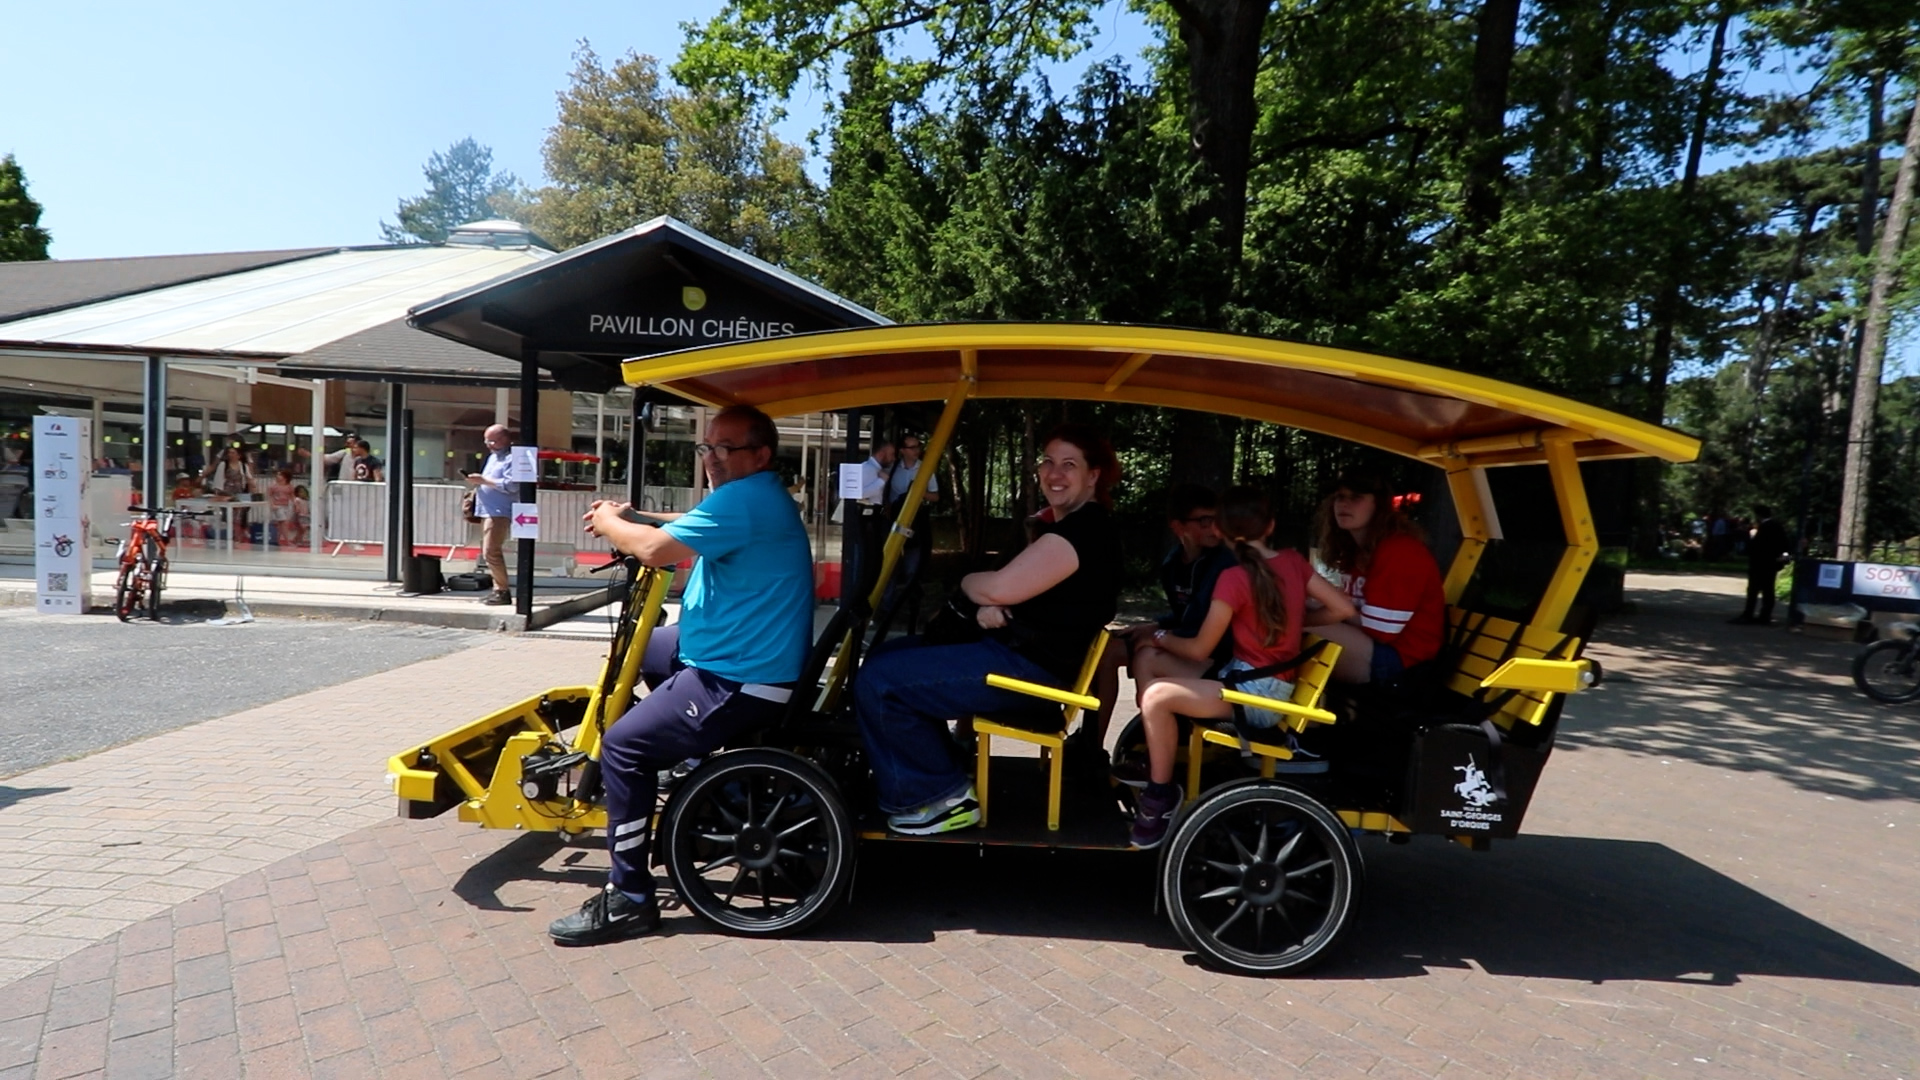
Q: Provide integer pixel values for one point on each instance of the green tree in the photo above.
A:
(21, 237)
(461, 188)
(628, 146)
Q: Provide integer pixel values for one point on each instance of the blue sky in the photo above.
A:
(150, 129)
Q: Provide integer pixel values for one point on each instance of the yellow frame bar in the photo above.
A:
(1576, 519)
(935, 450)
(1473, 527)
(1545, 676)
(1063, 697)
(1297, 715)
(1557, 416)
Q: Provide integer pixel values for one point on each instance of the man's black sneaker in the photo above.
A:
(497, 597)
(608, 915)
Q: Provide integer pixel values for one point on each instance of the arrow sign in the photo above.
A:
(526, 521)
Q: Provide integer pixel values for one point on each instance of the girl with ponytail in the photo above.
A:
(1263, 600)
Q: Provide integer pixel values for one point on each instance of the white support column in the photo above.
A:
(699, 469)
(317, 483)
(501, 406)
(599, 442)
(233, 408)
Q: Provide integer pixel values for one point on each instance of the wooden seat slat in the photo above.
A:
(1491, 641)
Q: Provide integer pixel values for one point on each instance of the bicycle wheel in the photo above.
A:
(126, 591)
(156, 566)
(1888, 671)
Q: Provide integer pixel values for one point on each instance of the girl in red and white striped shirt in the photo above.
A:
(1391, 577)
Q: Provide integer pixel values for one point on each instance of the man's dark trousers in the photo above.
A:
(686, 713)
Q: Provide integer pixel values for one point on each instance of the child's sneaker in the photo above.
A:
(941, 815)
(1152, 817)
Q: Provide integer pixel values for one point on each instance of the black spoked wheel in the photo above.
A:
(156, 565)
(759, 843)
(1888, 671)
(126, 592)
(1260, 878)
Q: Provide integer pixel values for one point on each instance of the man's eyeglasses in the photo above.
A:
(1200, 519)
(703, 449)
(911, 446)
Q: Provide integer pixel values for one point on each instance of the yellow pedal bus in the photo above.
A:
(1260, 872)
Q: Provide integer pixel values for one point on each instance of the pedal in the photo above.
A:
(540, 771)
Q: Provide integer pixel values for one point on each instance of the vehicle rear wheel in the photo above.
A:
(1888, 671)
(156, 565)
(1260, 878)
(758, 842)
(126, 592)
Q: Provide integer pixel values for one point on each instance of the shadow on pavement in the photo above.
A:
(526, 857)
(1589, 909)
(1568, 908)
(11, 795)
(1682, 683)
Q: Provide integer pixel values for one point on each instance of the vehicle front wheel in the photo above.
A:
(1260, 878)
(126, 592)
(758, 842)
(1888, 671)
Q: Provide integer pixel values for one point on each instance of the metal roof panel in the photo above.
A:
(277, 310)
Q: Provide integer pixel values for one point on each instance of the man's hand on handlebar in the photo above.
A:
(603, 511)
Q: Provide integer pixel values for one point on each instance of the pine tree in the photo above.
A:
(461, 185)
(21, 237)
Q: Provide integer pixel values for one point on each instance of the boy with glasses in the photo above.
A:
(1188, 572)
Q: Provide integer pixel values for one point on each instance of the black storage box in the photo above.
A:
(421, 575)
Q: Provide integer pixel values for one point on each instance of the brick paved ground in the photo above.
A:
(1719, 882)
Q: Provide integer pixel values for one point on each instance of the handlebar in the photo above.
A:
(174, 511)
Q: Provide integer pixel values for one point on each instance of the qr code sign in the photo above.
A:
(57, 583)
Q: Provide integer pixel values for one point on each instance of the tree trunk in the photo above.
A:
(1667, 308)
(1759, 365)
(1201, 451)
(1499, 22)
(1223, 59)
(1029, 483)
(1853, 538)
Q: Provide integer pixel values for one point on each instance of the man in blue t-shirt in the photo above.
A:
(728, 666)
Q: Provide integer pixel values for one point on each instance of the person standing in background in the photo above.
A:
(493, 505)
(1768, 549)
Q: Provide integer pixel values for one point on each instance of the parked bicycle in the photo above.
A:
(143, 561)
(1889, 669)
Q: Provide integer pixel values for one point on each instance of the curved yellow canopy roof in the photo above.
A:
(1417, 410)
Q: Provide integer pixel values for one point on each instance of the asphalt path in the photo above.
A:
(73, 685)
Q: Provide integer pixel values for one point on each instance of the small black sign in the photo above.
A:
(1464, 787)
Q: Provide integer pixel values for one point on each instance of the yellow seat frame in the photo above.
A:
(1072, 702)
(1303, 708)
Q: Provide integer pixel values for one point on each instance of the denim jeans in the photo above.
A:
(904, 696)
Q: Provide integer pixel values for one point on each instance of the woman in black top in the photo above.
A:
(1038, 613)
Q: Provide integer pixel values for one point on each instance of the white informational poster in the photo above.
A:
(62, 556)
(1830, 574)
(851, 481)
(1889, 582)
(526, 521)
(524, 465)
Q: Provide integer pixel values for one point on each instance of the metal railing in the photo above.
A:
(356, 513)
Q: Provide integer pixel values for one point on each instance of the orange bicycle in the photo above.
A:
(143, 561)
